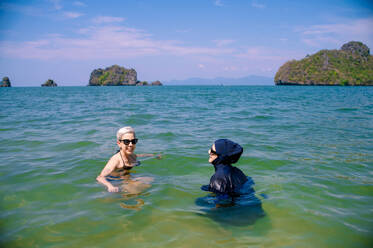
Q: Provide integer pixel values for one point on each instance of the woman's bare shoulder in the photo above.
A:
(115, 159)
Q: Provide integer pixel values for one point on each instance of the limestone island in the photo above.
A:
(117, 76)
(5, 82)
(49, 83)
(351, 65)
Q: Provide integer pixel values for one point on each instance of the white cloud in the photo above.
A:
(80, 4)
(230, 68)
(338, 33)
(72, 15)
(321, 41)
(220, 43)
(218, 3)
(266, 54)
(56, 4)
(103, 43)
(107, 19)
(267, 69)
(257, 5)
(114, 42)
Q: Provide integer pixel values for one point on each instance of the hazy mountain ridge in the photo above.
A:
(249, 80)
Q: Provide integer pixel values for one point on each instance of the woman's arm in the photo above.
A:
(109, 167)
(158, 156)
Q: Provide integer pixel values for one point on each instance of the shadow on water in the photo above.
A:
(128, 197)
(131, 189)
(242, 210)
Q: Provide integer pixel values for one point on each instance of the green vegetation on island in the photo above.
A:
(49, 83)
(5, 82)
(351, 65)
(117, 76)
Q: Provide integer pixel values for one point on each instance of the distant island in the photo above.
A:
(5, 82)
(117, 76)
(49, 83)
(351, 65)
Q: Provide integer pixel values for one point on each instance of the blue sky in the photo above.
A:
(166, 40)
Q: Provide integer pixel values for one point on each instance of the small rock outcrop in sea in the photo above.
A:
(49, 83)
(351, 65)
(156, 83)
(142, 83)
(115, 76)
(5, 82)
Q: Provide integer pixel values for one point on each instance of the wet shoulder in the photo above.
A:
(116, 160)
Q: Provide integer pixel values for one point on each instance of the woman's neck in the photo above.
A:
(127, 157)
(122, 153)
(218, 164)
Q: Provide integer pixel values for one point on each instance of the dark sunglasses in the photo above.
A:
(127, 141)
(212, 151)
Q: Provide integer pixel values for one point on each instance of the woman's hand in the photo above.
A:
(112, 189)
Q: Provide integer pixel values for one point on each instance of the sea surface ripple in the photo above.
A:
(308, 149)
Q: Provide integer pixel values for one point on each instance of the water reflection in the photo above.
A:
(242, 210)
(131, 188)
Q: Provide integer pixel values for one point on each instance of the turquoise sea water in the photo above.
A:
(308, 149)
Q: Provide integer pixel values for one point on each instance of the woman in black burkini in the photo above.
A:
(228, 181)
(233, 199)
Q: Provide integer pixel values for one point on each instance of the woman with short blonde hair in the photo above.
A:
(124, 160)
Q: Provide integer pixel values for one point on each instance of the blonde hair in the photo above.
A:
(125, 130)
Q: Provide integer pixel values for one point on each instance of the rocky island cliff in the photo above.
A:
(5, 82)
(49, 83)
(351, 65)
(117, 76)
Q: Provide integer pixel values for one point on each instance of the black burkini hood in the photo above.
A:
(227, 179)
